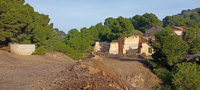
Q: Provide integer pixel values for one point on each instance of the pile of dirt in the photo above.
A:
(80, 76)
(100, 73)
(133, 71)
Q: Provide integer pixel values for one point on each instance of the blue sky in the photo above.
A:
(69, 14)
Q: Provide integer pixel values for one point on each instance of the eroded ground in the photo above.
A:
(56, 71)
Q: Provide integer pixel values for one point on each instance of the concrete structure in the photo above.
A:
(145, 49)
(131, 44)
(101, 47)
(22, 49)
(114, 48)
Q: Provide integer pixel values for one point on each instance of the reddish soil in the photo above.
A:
(56, 71)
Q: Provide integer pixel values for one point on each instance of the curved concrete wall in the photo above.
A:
(22, 49)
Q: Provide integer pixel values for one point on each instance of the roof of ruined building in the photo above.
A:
(153, 29)
(181, 28)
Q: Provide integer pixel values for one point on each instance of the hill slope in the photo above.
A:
(54, 71)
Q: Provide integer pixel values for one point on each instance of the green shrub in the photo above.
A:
(152, 63)
(186, 76)
(166, 77)
(137, 32)
(39, 51)
(74, 54)
(132, 55)
(150, 50)
(114, 40)
(144, 55)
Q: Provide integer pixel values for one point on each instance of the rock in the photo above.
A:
(92, 70)
(96, 57)
(86, 87)
(104, 74)
(136, 81)
(55, 56)
(80, 60)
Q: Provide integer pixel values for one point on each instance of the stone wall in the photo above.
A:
(22, 49)
(101, 47)
(131, 44)
(145, 49)
(178, 32)
(113, 48)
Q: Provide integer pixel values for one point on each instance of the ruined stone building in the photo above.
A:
(151, 31)
(101, 47)
(114, 48)
(132, 44)
(179, 30)
(135, 43)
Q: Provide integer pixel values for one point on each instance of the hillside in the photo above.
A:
(188, 18)
(55, 71)
(188, 12)
(53, 65)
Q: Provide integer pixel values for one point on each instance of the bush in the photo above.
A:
(166, 77)
(114, 40)
(137, 32)
(144, 55)
(132, 55)
(152, 63)
(74, 54)
(186, 76)
(39, 51)
(150, 50)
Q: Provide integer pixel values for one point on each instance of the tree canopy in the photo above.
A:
(120, 27)
(145, 21)
(188, 18)
(20, 23)
(168, 48)
(192, 36)
(186, 76)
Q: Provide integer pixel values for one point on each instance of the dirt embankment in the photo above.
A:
(56, 71)
(107, 74)
(132, 71)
